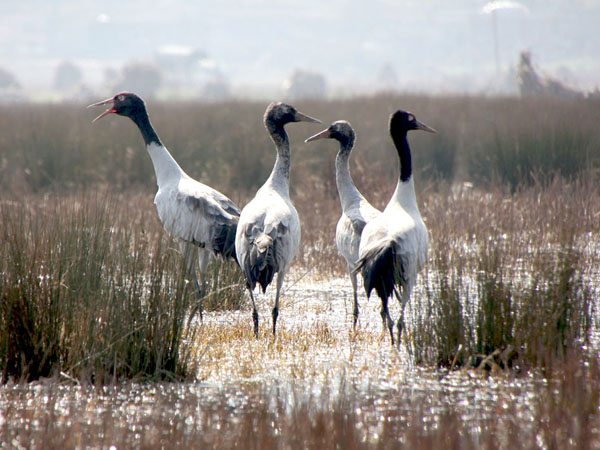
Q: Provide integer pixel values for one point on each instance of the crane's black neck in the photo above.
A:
(346, 143)
(281, 169)
(401, 143)
(141, 119)
(278, 134)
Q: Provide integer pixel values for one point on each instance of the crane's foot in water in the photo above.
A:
(255, 319)
(275, 315)
(400, 327)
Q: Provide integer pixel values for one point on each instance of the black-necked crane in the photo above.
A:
(202, 219)
(356, 210)
(268, 234)
(393, 246)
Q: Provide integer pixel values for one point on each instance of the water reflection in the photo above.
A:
(317, 373)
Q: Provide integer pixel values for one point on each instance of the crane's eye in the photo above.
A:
(121, 98)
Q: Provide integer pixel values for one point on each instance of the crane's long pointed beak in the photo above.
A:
(322, 135)
(422, 126)
(300, 117)
(103, 102)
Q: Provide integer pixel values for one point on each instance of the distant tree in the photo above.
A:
(67, 76)
(305, 84)
(530, 84)
(217, 89)
(8, 80)
(387, 78)
(10, 88)
(142, 78)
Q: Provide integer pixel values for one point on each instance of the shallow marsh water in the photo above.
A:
(317, 363)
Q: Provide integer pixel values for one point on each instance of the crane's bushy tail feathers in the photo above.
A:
(224, 241)
(382, 270)
(260, 265)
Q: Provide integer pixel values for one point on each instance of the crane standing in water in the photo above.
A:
(201, 218)
(393, 246)
(356, 210)
(268, 233)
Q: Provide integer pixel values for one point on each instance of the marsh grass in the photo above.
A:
(486, 140)
(528, 156)
(516, 286)
(509, 280)
(316, 386)
(226, 287)
(88, 294)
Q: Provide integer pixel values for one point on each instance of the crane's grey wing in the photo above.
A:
(225, 202)
(350, 229)
(358, 223)
(267, 240)
(361, 214)
(193, 213)
(347, 240)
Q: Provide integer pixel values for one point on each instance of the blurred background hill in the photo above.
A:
(258, 49)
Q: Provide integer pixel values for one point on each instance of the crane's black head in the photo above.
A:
(123, 104)
(341, 131)
(281, 113)
(401, 122)
(130, 105)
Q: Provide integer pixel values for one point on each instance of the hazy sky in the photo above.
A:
(436, 45)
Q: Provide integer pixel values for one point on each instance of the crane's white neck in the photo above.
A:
(404, 197)
(165, 167)
(346, 188)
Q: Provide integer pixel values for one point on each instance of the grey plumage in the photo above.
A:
(268, 233)
(356, 210)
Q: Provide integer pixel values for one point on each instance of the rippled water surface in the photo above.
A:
(316, 362)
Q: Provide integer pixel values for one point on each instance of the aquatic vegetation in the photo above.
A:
(502, 328)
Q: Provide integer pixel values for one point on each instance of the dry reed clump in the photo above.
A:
(486, 140)
(225, 286)
(90, 289)
(511, 278)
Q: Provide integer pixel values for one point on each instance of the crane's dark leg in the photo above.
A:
(203, 260)
(275, 312)
(400, 327)
(189, 254)
(387, 320)
(400, 324)
(254, 313)
(354, 291)
(199, 297)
